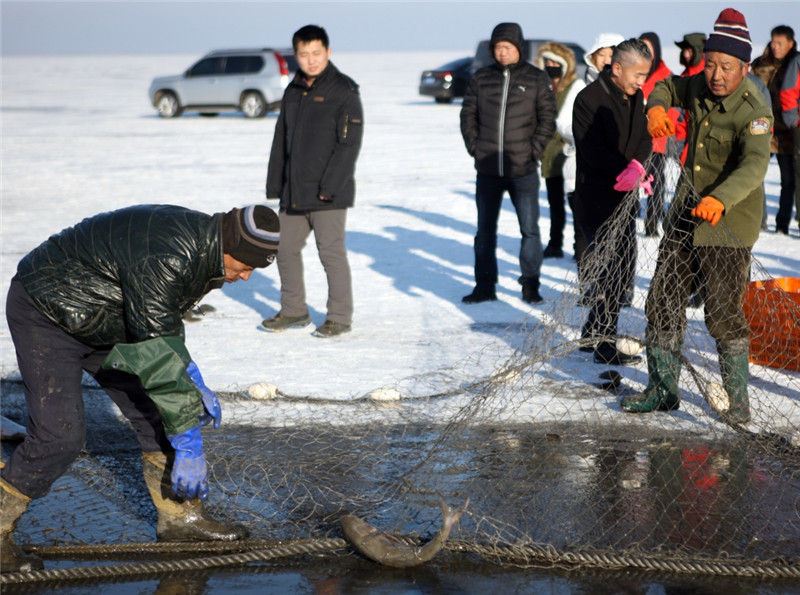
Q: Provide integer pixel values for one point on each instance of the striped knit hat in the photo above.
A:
(251, 235)
(731, 36)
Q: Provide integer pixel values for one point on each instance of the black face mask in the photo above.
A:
(554, 72)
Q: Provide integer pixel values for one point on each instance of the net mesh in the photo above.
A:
(548, 460)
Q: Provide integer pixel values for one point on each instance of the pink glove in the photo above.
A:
(631, 177)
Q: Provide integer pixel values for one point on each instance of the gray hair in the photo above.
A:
(631, 51)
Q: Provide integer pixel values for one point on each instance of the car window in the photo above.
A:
(207, 67)
(243, 64)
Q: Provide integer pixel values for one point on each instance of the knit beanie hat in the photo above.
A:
(251, 235)
(731, 36)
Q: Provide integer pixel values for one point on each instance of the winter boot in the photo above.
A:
(734, 370)
(12, 505)
(179, 519)
(661, 394)
(530, 292)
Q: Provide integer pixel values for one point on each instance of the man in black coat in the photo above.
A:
(612, 145)
(507, 119)
(312, 170)
(107, 296)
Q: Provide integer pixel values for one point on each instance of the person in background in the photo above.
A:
(559, 63)
(714, 219)
(691, 59)
(771, 68)
(107, 296)
(599, 55)
(790, 114)
(654, 211)
(612, 145)
(507, 119)
(312, 171)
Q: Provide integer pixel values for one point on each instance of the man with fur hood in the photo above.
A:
(559, 63)
(507, 119)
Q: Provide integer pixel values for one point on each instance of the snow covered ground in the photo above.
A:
(79, 137)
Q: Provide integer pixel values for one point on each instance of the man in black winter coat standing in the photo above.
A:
(612, 145)
(312, 171)
(507, 119)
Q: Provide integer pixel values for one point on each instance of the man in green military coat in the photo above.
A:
(714, 219)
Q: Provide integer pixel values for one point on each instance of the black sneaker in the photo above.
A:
(607, 353)
(530, 295)
(331, 328)
(553, 252)
(279, 322)
(480, 295)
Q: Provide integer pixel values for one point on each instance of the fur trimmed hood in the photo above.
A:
(560, 53)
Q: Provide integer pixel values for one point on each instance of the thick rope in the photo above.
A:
(116, 571)
(529, 555)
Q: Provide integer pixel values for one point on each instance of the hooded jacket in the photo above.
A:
(124, 279)
(603, 40)
(316, 144)
(508, 113)
(554, 157)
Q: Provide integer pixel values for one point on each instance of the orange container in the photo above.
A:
(772, 308)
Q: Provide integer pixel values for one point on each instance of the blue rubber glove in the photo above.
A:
(210, 400)
(189, 473)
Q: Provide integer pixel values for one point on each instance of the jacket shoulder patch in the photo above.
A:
(759, 126)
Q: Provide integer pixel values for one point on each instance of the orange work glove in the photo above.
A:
(709, 209)
(658, 123)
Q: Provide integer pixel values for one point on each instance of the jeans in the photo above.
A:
(524, 193)
(788, 192)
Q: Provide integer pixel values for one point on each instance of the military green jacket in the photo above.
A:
(728, 154)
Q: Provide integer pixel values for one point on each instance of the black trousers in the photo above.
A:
(52, 363)
(608, 271)
(558, 214)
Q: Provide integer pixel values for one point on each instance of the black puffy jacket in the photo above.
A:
(316, 144)
(507, 118)
(127, 275)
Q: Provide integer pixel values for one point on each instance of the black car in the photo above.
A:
(448, 81)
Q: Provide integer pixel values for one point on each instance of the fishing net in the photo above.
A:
(556, 473)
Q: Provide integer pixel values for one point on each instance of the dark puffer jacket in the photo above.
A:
(316, 144)
(126, 278)
(508, 114)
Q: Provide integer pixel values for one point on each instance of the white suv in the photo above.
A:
(248, 80)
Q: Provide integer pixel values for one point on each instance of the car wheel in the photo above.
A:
(253, 105)
(444, 99)
(168, 105)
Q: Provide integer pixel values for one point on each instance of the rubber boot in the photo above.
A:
(661, 394)
(179, 519)
(13, 504)
(734, 370)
